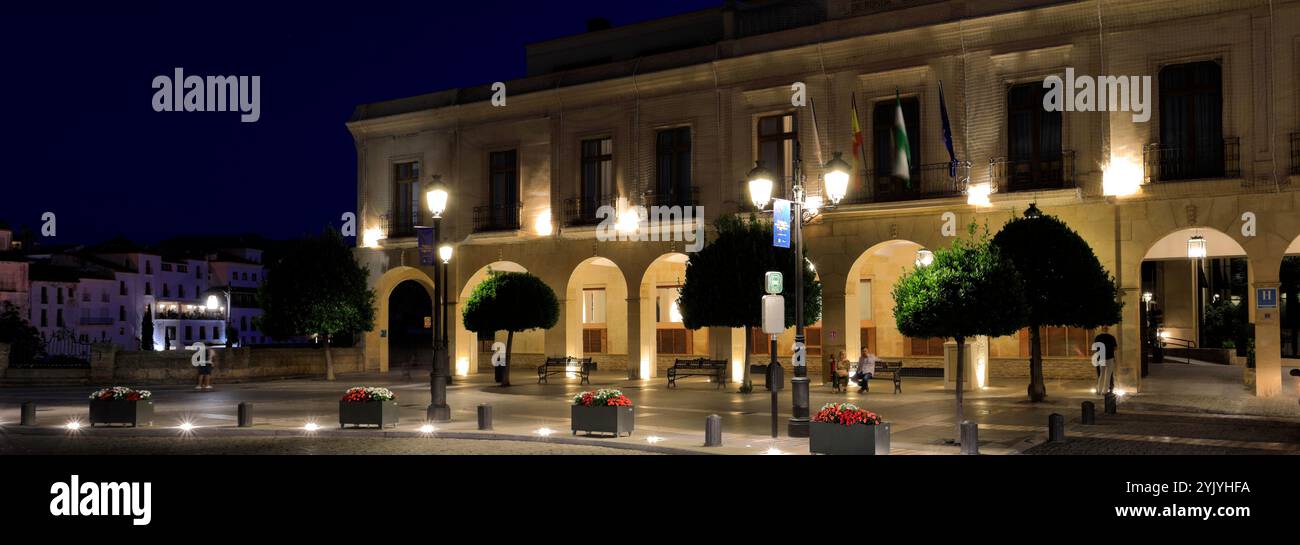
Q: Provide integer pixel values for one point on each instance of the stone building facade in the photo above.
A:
(597, 121)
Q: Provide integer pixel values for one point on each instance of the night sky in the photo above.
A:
(83, 141)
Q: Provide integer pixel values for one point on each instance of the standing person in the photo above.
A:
(866, 369)
(1106, 372)
(203, 361)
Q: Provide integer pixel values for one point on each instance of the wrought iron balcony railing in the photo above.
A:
(1164, 163)
(398, 226)
(1033, 174)
(927, 182)
(686, 196)
(497, 217)
(1295, 154)
(582, 210)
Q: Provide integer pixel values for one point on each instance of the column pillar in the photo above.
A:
(835, 331)
(634, 334)
(1128, 366)
(556, 340)
(1268, 343)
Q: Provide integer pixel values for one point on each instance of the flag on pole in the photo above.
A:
(947, 134)
(817, 134)
(902, 151)
(859, 151)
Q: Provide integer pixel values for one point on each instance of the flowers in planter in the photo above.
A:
(121, 393)
(846, 414)
(363, 394)
(604, 397)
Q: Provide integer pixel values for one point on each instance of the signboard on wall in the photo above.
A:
(1266, 298)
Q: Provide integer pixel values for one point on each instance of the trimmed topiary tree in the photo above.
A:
(1062, 280)
(146, 329)
(510, 301)
(25, 343)
(968, 290)
(724, 281)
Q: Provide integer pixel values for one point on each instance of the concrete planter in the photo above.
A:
(858, 439)
(380, 414)
(611, 420)
(119, 411)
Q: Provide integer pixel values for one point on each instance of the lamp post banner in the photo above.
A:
(424, 240)
(781, 223)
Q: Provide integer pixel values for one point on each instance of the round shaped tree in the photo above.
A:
(510, 301)
(724, 280)
(1063, 282)
(968, 290)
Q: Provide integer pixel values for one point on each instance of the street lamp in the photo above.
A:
(1196, 248)
(438, 410)
(836, 182)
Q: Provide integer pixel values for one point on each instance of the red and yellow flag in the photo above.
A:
(859, 152)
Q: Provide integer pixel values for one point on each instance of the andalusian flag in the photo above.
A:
(859, 149)
(902, 151)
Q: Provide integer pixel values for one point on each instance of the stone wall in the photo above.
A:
(1053, 369)
(110, 365)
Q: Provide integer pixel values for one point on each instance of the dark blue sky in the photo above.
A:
(83, 141)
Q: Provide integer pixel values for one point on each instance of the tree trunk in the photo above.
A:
(505, 375)
(1037, 388)
(961, 381)
(329, 360)
(746, 380)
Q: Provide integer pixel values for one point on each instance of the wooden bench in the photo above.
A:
(563, 366)
(698, 367)
(884, 369)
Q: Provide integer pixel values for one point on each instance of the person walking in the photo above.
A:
(1106, 371)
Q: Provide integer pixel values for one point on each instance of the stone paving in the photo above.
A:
(264, 445)
(668, 420)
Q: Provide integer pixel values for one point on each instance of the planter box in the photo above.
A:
(827, 438)
(611, 420)
(119, 411)
(368, 413)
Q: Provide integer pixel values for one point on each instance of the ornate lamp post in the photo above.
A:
(803, 208)
(438, 410)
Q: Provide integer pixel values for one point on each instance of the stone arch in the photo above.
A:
(601, 280)
(467, 347)
(384, 288)
(879, 265)
(662, 272)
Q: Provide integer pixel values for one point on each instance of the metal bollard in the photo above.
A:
(245, 415)
(484, 416)
(28, 414)
(1110, 403)
(1089, 413)
(882, 438)
(713, 431)
(970, 443)
(1055, 428)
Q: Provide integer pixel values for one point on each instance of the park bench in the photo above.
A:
(563, 366)
(698, 367)
(884, 369)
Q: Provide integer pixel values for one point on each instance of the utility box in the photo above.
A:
(773, 314)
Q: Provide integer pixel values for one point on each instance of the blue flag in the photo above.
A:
(947, 135)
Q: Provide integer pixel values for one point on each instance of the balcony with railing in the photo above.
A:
(1033, 174)
(1165, 163)
(580, 211)
(686, 196)
(1295, 154)
(497, 217)
(927, 182)
(397, 227)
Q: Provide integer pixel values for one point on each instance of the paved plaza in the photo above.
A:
(534, 418)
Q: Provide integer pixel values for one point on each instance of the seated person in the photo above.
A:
(866, 369)
(841, 364)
